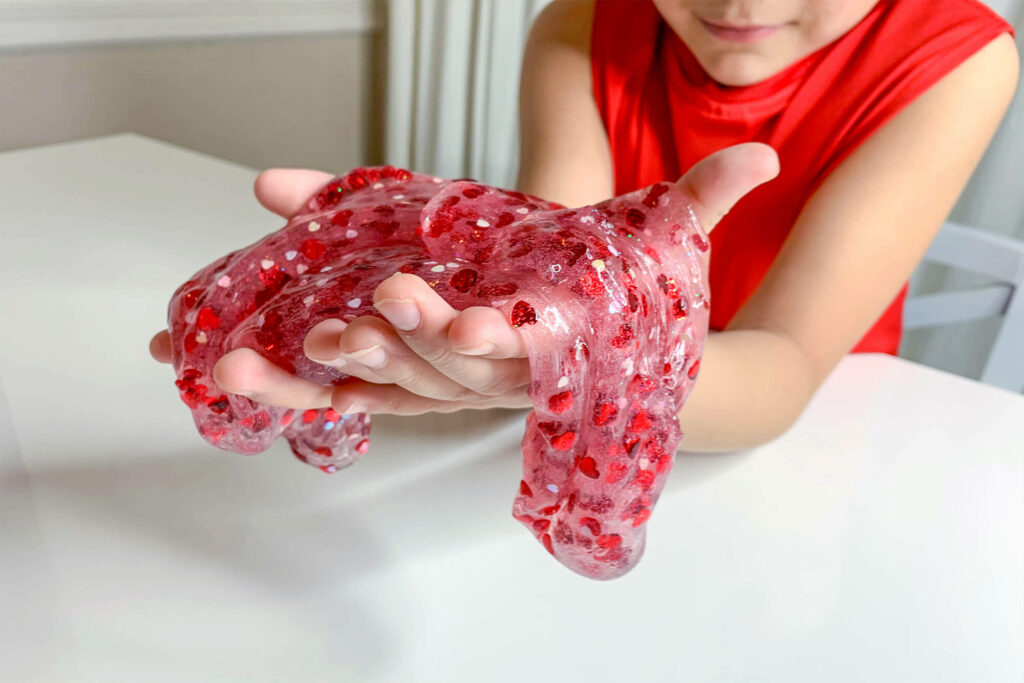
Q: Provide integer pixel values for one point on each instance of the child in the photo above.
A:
(878, 109)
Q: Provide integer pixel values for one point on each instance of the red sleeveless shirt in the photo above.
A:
(663, 113)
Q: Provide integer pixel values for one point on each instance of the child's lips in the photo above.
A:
(739, 34)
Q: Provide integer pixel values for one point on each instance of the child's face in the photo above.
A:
(740, 42)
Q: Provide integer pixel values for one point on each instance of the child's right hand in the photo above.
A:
(432, 357)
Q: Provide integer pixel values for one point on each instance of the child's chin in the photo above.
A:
(742, 68)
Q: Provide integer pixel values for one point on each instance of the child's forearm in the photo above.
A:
(752, 386)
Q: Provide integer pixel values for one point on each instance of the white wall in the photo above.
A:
(302, 93)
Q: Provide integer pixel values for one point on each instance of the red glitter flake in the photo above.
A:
(608, 540)
(635, 218)
(546, 540)
(564, 441)
(616, 471)
(323, 451)
(644, 479)
(218, 404)
(520, 250)
(310, 416)
(590, 285)
(592, 525)
(523, 314)
(329, 469)
(472, 192)
(463, 280)
(699, 242)
(641, 385)
(190, 298)
(679, 309)
(341, 218)
(524, 489)
(257, 422)
(287, 418)
(651, 200)
(632, 300)
(190, 342)
(561, 402)
(332, 415)
(356, 180)
(330, 195)
(193, 395)
(207, 319)
(668, 286)
(604, 413)
(641, 422)
(541, 525)
(498, 289)
(313, 249)
(274, 278)
(549, 428)
(588, 467)
(623, 337)
(363, 446)
(641, 517)
(694, 369)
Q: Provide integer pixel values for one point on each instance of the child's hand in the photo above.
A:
(432, 357)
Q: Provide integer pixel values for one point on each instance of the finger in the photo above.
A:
(717, 182)
(372, 342)
(389, 399)
(245, 372)
(286, 190)
(483, 331)
(160, 346)
(422, 319)
(323, 345)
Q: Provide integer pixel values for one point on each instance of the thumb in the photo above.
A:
(286, 190)
(718, 181)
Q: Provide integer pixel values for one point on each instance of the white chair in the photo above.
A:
(992, 255)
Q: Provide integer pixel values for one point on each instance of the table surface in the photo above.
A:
(879, 539)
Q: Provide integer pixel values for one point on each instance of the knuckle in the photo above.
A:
(439, 356)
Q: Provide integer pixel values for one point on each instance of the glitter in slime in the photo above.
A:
(611, 299)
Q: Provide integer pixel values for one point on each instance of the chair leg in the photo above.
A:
(1005, 365)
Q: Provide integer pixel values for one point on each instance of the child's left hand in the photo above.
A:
(433, 357)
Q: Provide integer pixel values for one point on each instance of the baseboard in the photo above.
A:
(49, 23)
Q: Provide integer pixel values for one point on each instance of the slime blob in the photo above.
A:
(611, 299)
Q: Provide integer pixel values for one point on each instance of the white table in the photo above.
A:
(879, 540)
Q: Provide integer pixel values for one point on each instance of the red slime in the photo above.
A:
(612, 301)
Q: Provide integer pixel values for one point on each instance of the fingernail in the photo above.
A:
(372, 357)
(478, 350)
(402, 313)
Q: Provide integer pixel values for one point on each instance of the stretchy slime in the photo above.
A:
(611, 299)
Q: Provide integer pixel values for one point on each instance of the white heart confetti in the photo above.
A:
(301, 268)
(267, 263)
(437, 269)
(224, 281)
(313, 226)
(351, 234)
(290, 254)
(354, 303)
(483, 224)
(563, 382)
